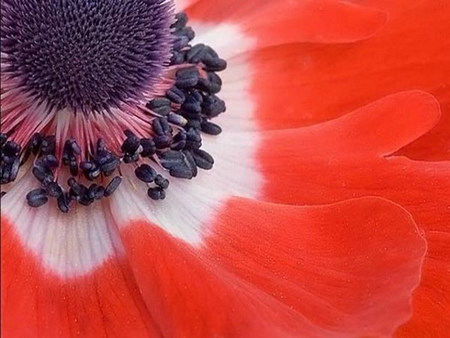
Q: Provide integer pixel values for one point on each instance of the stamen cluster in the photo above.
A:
(171, 142)
(9, 159)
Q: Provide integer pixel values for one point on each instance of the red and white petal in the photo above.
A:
(66, 244)
(348, 157)
(242, 112)
(65, 275)
(259, 93)
(330, 80)
(181, 5)
(228, 38)
(190, 204)
(271, 23)
(272, 270)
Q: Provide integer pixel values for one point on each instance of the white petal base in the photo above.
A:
(68, 245)
(191, 205)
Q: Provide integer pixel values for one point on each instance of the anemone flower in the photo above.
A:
(246, 173)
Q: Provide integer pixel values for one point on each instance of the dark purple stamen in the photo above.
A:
(86, 55)
(145, 173)
(9, 159)
(160, 106)
(179, 118)
(156, 193)
(112, 186)
(37, 197)
(203, 159)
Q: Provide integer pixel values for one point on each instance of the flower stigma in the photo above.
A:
(90, 86)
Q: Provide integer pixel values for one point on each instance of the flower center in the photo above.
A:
(146, 96)
(86, 55)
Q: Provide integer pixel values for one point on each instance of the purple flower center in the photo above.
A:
(133, 55)
(86, 55)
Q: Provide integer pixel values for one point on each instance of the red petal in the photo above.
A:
(379, 128)
(275, 270)
(274, 22)
(313, 83)
(37, 303)
(432, 300)
(345, 158)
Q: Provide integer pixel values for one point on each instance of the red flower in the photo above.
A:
(304, 227)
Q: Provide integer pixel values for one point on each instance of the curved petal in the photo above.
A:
(373, 131)
(271, 23)
(330, 80)
(275, 270)
(190, 204)
(65, 275)
(348, 157)
(432, 299)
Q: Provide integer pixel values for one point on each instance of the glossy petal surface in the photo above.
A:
(277, 270)
(310, 83)
(207, 263)
(348, 157)
(270, 23)
(38, 303)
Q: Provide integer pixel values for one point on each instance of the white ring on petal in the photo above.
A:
(74, 244)
(238, 96)
(181, 5)
(190, 206)
(67, 245)
(226, 38)
(229, 40)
